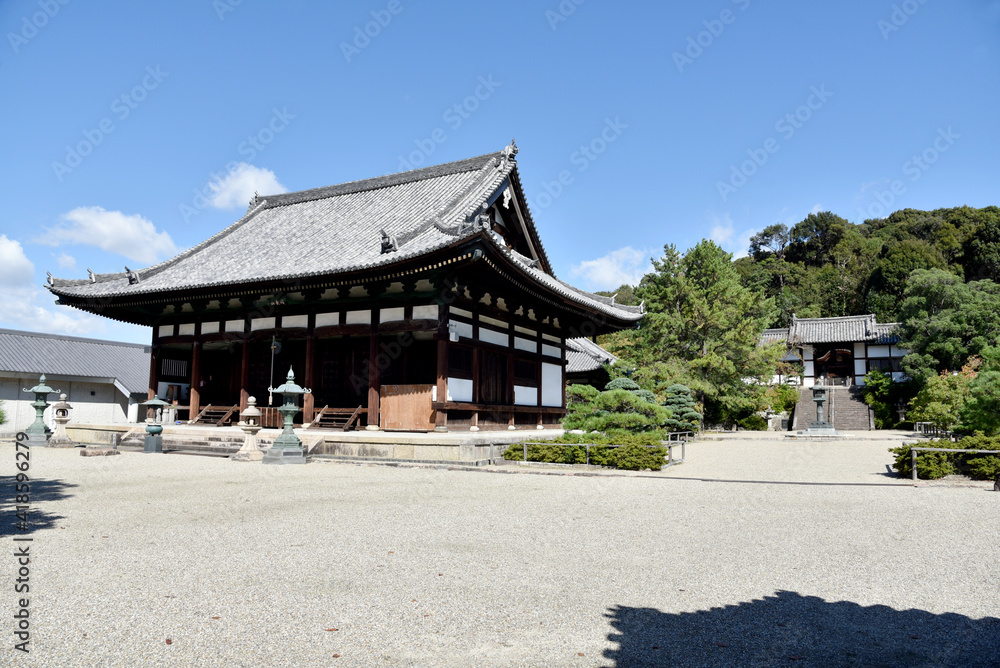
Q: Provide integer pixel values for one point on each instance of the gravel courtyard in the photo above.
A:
(753, 552)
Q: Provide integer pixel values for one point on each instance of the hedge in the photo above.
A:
(631, 457)
(934, 465)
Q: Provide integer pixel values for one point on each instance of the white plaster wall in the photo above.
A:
(859, 349)
(878, 351)
(525, 396)
(105, 406)
(552, 385)
(459, 389)
(859, 368)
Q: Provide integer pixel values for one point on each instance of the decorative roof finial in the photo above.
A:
(48, 277)
(506, 157)
(92, 275)
(133, 277)
(389, 242)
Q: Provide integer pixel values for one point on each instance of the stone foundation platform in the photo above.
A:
(433, 447)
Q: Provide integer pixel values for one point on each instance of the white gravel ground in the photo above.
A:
(719, 562)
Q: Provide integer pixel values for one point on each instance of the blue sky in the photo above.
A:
(135, 130)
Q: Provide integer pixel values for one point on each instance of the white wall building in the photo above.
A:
(839, 350)
(103, 380)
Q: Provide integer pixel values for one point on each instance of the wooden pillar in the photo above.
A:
(374, 373)
(154, 376)
(441, 415)
(195, 380)
(244, 374)
(309, 377)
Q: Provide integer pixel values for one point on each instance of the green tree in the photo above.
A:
(944, 321)
(878, 393)
(940, 400)
(813, 240)
(682, 407)
(701, 330)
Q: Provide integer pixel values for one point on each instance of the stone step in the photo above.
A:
(845, 409)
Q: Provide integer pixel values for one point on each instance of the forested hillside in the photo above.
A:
(827, 266)
(934, 271)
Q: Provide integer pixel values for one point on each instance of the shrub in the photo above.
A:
(645, 395)
(637, 457)
(681, 404)
(580, 394)
(752, 423)
(782, 398)
(933, 465)
(622, 384)
(631, 457)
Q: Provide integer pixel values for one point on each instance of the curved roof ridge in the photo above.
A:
(385, 181)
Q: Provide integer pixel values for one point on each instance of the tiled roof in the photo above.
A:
(773, 335)
(846, 329)
(337, 229)
(33, 354)
(584, 355)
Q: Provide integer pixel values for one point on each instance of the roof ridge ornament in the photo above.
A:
(253, 201)
(507, 157)
(133, 276)
(389, 243)
(48, 277)
(92, 275)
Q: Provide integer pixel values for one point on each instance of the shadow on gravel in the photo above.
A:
(39, 490)
(790, 629)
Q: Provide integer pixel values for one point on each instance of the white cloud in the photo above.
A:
(132, 236)
(65, 261)
(625, 266)
(22, 301)
(237, 187)
(724, 233)
(16, 270)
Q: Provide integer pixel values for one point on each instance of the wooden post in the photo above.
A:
(309, 377)
(244, 374)
(374, 374)
(441, 415)
(195, 380)
(154, 379)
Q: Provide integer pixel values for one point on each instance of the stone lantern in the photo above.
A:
(250, 424)
(287, 448)
(153, 442)
(60, 413)
(38, 433)
(820, 427)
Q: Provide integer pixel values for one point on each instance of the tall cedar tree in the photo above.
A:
(702, 329)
